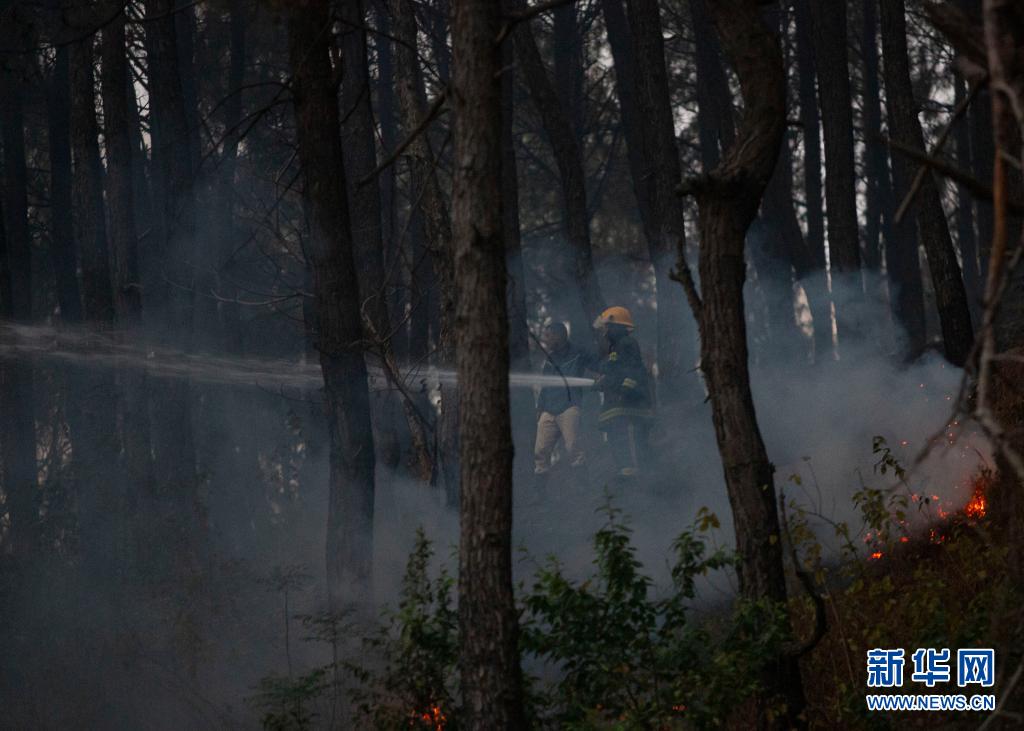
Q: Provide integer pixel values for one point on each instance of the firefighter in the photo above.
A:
(627, 412)
(558, 407)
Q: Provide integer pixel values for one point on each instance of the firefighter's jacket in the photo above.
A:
(624, 382)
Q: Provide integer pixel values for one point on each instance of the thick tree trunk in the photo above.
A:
(489, 655)
(336, 291)
(17, 428)
(675, 349)
(950, 295)
(572, 178)
(437, 225)
(728, 202)
(811, 273)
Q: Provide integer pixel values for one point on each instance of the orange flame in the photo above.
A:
(976, 506)
(433, 718)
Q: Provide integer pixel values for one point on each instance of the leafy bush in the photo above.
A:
(626, 658)
(415, 684)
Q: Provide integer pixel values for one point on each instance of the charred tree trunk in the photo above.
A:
(950, 295)
(335, 288)
(569, 159)
(675, 353)
(489, 655)
(437, 225)
(17, 428)
(811, 273)
(728, 200)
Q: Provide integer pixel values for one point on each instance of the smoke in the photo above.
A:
(818, 422)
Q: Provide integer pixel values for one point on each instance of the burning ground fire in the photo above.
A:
(433, 718)
(970, 513)
(942, 514)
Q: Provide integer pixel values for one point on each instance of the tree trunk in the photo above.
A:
(136, 462)
(728, 202)
(17, 428)
(489, 655)
(519, 332)
(336, 291)
(124, 253)
(906, 293)
(94, 431)
(966, 236)
(572, 177)
(168, 269)
(62, 232)
(360, 153)
(675, 349)
(950, 295)
(437, 225)
(782, 244)
(568, 64)
(715, 127)
(875, 168)
(621, 42)
(835, 95)
(812, 273)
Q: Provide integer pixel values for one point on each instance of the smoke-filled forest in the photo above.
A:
(506, 364)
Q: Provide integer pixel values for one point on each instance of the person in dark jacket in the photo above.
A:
(558, 406)
(626, 413)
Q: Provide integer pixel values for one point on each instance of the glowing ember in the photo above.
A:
(433, 719)
(876, 555)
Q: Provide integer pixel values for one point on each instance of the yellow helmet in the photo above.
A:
(615, 316)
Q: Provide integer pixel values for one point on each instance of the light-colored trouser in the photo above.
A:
(549, 428)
